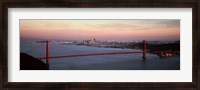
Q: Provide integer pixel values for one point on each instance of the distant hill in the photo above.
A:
(28, 62)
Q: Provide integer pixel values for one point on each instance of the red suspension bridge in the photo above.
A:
(48, 57)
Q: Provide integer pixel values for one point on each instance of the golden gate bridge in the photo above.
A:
(48, 57)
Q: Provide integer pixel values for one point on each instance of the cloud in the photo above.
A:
(148, 24)
(118, 25)
(170, 23)
(122, 26)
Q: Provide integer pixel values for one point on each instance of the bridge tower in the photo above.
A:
(144, 49)
(47, 52)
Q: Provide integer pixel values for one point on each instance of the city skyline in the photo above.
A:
(109, 30)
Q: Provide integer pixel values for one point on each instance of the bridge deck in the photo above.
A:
(91, 54)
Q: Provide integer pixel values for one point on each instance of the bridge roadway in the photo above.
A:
(91, 54)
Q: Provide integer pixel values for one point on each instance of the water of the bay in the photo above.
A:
(101, 62)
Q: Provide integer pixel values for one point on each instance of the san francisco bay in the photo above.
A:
(100, 62)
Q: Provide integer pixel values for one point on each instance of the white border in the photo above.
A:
(183, 75)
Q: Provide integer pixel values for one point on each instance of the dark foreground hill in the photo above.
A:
(28, 62)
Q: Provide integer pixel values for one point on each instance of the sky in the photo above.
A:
(106, 30)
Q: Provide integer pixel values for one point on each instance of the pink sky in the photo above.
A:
(110, 30)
